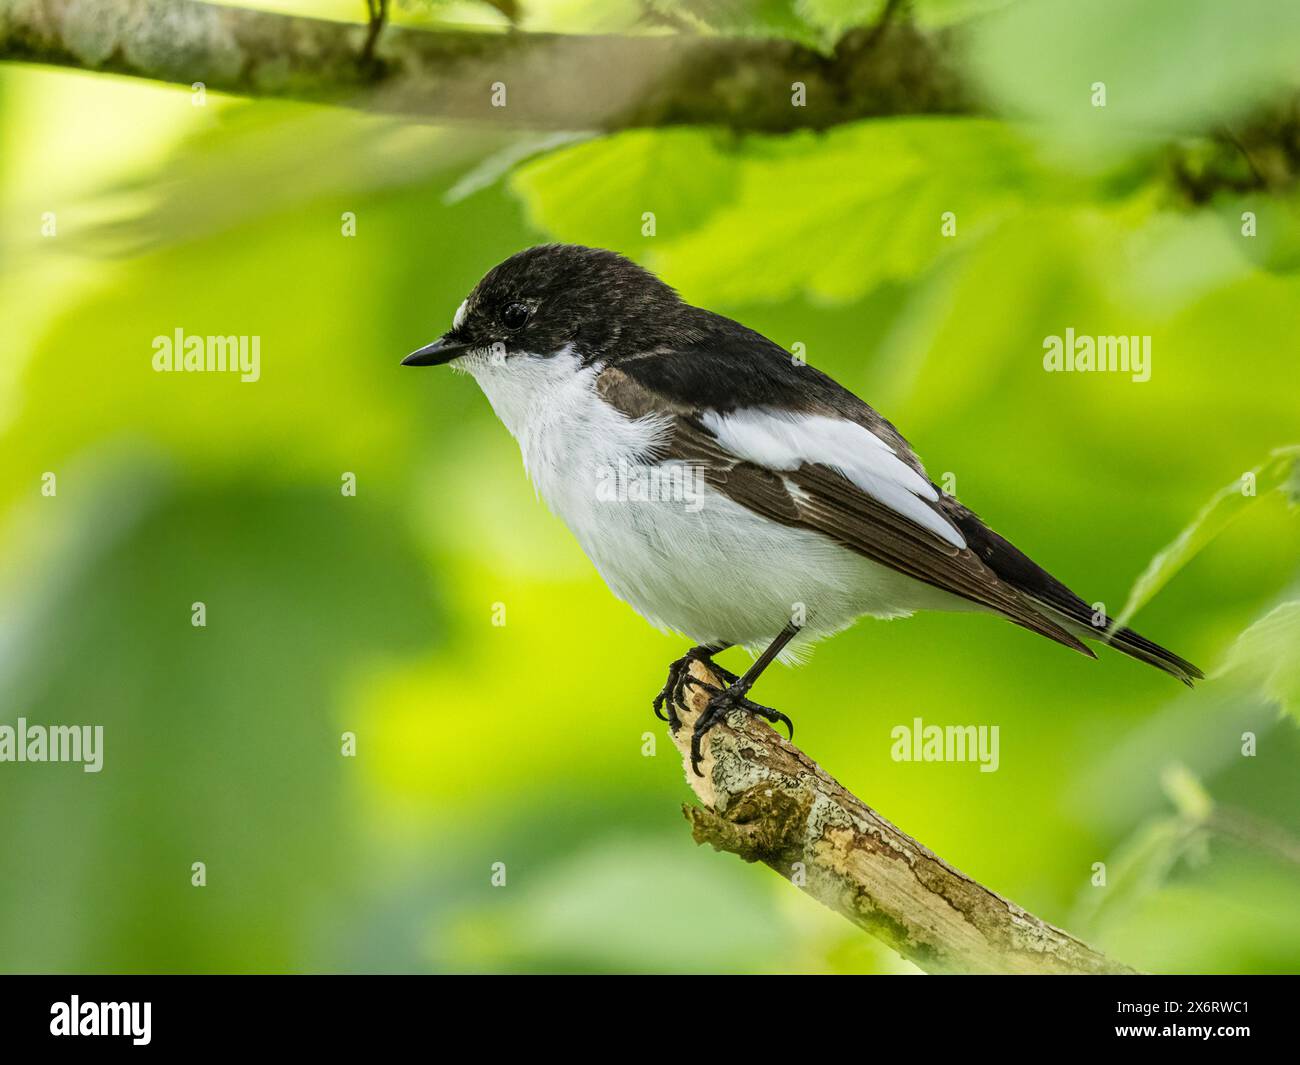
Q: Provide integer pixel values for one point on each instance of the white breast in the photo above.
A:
(567, 434)
(684, 556)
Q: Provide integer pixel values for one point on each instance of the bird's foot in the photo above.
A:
(721, 703)
(679, 675)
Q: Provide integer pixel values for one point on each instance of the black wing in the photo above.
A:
(726, 367)
(823, 501)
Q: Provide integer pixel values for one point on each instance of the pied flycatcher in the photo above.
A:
(724, 489)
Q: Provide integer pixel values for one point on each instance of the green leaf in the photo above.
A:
(818, 23)
(1278, 472)
(740, 18)
(834, 17)
(1268, 655)
(600, 192)
(1165, 64)
(1142, 863)
(774, 217)
(1138, 868)
(1187, 793)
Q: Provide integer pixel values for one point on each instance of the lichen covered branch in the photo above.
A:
(532, 80)
(573, 82)
(766, 801)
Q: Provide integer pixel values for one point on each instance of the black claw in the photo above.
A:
(691, 679)
(658, 706)
(721, 702)
(774, 716)
(671, 717)
(679, 687)
(673, 692)
(669, 696)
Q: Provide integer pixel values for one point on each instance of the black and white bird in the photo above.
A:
(807, 509)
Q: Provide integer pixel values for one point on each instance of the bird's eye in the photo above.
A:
(515, 315)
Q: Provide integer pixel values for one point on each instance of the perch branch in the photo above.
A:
(765, 800)
(572, 82)
(604, 82)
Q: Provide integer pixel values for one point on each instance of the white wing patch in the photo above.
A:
(784, 441)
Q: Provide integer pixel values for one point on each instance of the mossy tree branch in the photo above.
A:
(570, 82)
(607, 82)
(766, 801)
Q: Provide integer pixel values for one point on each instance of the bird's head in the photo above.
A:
(558, 298)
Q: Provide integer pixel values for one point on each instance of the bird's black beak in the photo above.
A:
(436, 354)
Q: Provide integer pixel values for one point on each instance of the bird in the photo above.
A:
(725, 489)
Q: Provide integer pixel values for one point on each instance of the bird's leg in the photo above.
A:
(732, 697)
(679, 674)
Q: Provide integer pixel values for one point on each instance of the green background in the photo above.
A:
(525, 743)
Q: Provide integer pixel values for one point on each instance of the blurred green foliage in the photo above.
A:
(523, 743)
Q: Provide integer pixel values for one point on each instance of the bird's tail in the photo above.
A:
(1135, 645)
(1131, 643)
(1060, 605)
